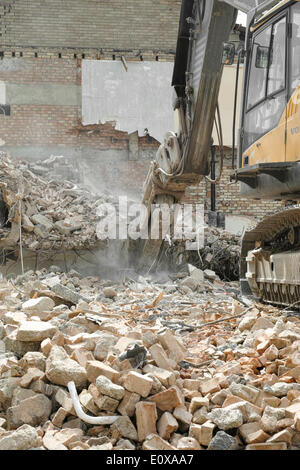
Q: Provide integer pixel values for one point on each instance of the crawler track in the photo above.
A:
(273, 234)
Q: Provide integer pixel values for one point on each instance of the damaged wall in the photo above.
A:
(137, 99)
(44, 98)
(100, 24)
(43, 46)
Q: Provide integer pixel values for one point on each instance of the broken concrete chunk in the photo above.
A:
(39, 219)
(51, 443)
(123, 427)
(40, 304)
(14, 318)
(226, 419)
(138, 383)
(223, 441)
(31, 375)
(160, 357)
(124, 444)
(59, 417)
(183, 416)
(209, 386)
(60, 369)
(96, 368)
(107, 387)
(31, 331)
(26, 437)
(211, 275)
(166, 377)
(262, 324)
(20, 347)
(33, 359)
(247, 393)
(175, 347)
(88, 402)
(33, 411)
(190, 282)
(7, 387)
(127, 405)
(206, 435)
(66, 294)
(167, 425)
(63, 398)
(106, 403)
(278, 389)
(104, 345)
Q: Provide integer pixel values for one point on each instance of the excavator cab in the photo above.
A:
(269, 151)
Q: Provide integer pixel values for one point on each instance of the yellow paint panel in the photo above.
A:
(270, 148)
(293, 127)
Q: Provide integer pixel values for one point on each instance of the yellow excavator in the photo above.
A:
(268, 162)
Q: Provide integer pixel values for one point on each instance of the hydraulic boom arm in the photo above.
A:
(183, 158)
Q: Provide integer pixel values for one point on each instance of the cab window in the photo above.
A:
(259, 67)
(267, 71)
(267, 82)
(277, 59)
(295, 48)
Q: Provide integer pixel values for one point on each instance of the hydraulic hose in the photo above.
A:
(83, 416)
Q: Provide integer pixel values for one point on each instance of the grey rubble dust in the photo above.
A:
(180, 359)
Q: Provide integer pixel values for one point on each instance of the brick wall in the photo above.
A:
(146, 25)
(228, 199)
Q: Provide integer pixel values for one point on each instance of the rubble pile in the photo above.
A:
(171, 366)
(54, 215)
(221, 253)
(42, 218)
(58, 167)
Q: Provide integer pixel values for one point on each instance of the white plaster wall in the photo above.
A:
(2, 93)
(137, 99)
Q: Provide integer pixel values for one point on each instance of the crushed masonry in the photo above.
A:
(176, 360)
(181, 370)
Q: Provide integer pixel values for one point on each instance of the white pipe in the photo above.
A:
(80, 413)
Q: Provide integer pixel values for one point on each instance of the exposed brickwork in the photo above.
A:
(40, 70)
(103, 24)
(228, 199)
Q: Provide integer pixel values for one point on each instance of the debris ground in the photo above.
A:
(180, 370)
